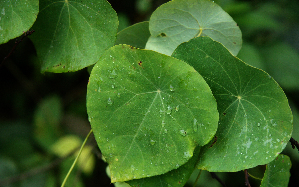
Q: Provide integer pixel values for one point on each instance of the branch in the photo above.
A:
(16, 44)
(246, 178)
(294, 143)
(214, 176)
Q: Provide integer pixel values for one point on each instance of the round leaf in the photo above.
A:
(71, 35)
(148, 112)
(16, 17)
(179, 21)
(255, 120)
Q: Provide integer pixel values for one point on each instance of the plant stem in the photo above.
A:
(197, 178)
(75, 161)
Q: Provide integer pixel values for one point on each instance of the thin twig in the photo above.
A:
(294, 143)
(214, 176)
(16, 44)
(36, 171)
(197, 178)
(246, 178)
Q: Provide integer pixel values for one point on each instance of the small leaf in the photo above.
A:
(175, 178)
(16, 18)
(255, 120)
(71, 35)
(277, 173)
(178, 21)
(143, 127)
(135, 35)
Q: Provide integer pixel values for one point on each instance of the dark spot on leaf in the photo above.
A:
(140, 64)
(234, 42)
(162, 34)
(224, 113)
(215, 140)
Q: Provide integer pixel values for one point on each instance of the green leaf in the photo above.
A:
(148, 112)
(277, 173)
(46, 120)
(255, 120)
(71, 35)
(16, 18)
(177, 177)
(135, 35)
(282, 62)
(178, 21)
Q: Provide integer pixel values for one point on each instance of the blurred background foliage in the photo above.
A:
(43, 118)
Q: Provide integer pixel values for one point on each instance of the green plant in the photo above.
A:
(157, 115)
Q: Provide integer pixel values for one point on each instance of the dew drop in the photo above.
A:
(109, 101)
(177, 108)
(168, 111)
(171, 88)
(183, 132)
(153, 142)
(165, 130)
(112, 86)
(118, 94)
(195, 125)
(187, 155)
(113, 74)
(3, 11)
(258, 124)
(163, 123)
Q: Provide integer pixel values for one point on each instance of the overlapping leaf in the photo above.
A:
(277, 173)
(148, 112)
(255, 120)
(16, 17)
(181, 20)
(135, 35)
(71, 35)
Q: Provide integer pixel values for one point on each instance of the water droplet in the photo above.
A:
(187, 155)
(165, 130)
(195, 125)
(177, 108)
(118, 94)
(163, 123)
(112, 86)
(113, 74)
(109, 101)
(99, 89)
(183, 132)
(168, 110)
(171, 88)
(3, 11)
(258, 124)
(153, 142)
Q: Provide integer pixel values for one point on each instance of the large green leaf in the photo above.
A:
(180, 20)
(71, 35)
(135, 35)
(174, 178)
(277, 173)
(255, 120)
(148, 112)
(16, 18)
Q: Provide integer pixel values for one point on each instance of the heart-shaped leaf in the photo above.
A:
(71, 35)
(16, 18)
(255, 120)
(178, 21)
(148, 112)
(277, 172)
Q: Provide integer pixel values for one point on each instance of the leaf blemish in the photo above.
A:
(215, 140)
(140, 64)
(162, 34)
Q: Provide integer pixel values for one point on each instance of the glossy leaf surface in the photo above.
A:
(136, 35)
(179, 21)
(71, 35)
(16, 17)
(148, 112)
(255, 120)
(175, 178)
(277, 173)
